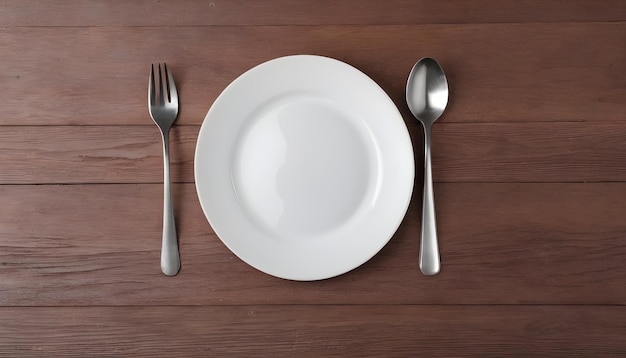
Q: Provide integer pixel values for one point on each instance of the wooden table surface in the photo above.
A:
(529, 164)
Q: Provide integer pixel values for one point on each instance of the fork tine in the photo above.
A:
(162, 89)
(151, 94)
(171, 87)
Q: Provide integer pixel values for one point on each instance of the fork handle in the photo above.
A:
(170, 258)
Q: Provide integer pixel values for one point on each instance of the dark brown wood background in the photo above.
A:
(529, 163)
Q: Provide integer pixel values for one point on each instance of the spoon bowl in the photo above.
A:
(427, 98)
(427, 91)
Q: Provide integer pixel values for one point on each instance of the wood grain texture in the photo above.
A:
(102, 154)
(528, 152)
(81, 245)
(314, 331)
(462, 152)
(529, 166)
(304, 12)
(497, 72)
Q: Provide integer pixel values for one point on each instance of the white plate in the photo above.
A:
(304, 167)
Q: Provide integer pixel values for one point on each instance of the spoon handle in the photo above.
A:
(429, 260)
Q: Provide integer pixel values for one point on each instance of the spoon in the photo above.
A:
(427, 97)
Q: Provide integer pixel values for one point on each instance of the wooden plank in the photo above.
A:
(100, 154)
(500, 244)
(568, 72)
(307, 12)
(314, 331)
(462, 152)
(527, 152)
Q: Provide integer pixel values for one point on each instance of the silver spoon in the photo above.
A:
(427, 97)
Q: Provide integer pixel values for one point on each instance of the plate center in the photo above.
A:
(302, 166)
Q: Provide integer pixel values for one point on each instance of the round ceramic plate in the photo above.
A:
(304, 167)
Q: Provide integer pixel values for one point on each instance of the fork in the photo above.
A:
(163, 106)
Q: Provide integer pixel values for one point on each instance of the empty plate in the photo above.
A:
(304, 167)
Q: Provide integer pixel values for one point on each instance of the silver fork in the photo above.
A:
(163, 105)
